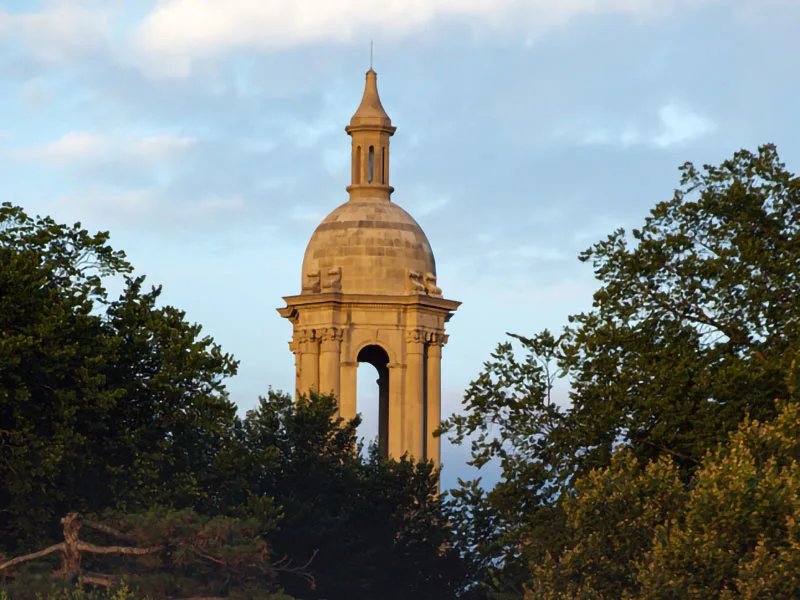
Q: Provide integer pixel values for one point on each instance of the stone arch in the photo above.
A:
(359, 344)
(377, 356)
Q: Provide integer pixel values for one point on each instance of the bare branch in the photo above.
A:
(85, 547)
(98, 579)
(34, 555)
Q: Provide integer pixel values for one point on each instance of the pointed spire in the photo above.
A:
(371, 111)
(370, 130)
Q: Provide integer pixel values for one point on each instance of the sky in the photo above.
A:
(208, 137)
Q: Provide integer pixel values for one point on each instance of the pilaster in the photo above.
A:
(308, 341)
(433, 396)
(330, 350)
(414, 415)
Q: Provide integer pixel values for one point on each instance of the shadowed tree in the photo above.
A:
(693, 327)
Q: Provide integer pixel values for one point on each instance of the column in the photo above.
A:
(309, 361)
(329, 361)
(383, 412)
(396, 426)
(293, 346)
(348, 383)
(433, 405)
(414, 415)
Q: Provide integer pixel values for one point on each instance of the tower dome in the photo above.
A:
(369, 245)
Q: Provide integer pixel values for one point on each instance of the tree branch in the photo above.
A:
(86, 547)
(33, 555)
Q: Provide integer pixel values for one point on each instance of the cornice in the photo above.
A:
(331, 299)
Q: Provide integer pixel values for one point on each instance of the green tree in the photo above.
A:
(119, 404)
(731, 533)
(101, 401)
(374, 527)
(610, 518)
(693, 327)
(162, 554)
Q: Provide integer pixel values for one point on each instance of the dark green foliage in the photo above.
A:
(101, 401)
(161, 554)
(374, 527)
(637, 532)
(693, 328)
(118, 404)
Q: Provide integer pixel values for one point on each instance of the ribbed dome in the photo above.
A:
(373, 243)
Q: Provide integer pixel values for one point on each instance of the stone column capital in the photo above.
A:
(436, 339)
(304, 335)
(415, 341)
(331, 338)
(307, 340)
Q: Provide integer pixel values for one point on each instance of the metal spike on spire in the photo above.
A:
(370, 53)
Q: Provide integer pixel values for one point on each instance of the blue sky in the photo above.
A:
(207, 136)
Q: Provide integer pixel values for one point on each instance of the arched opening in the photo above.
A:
(383, 165)
(357, 166)
(376, 401)
(371, 163)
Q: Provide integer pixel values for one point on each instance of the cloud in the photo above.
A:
(36, 95)
(159, 146)
(178, 32)
(82, 146)
(148, 208)
(679, 124)
(76, 145)
(676, 124)
(59, 32)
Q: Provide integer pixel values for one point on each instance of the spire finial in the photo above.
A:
(370, 128)
(370, 54)
(370, 111)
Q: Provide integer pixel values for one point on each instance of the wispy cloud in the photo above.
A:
(148, 208)
(60, 31)
(82, 146)
(177, 32)
(73, 146)
(677, 124)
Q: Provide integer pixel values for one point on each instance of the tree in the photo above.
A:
(374, 527)
(693, 328)
(162, 554)
(101, 401)
(732, 532)
(119, 405)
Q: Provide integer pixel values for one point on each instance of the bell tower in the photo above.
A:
(369, 293)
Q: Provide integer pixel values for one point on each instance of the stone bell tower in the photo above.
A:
(369, 294)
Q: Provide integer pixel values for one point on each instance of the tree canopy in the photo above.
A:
(692, 330)
(116, 407)
(102, 400)
(670, 471)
